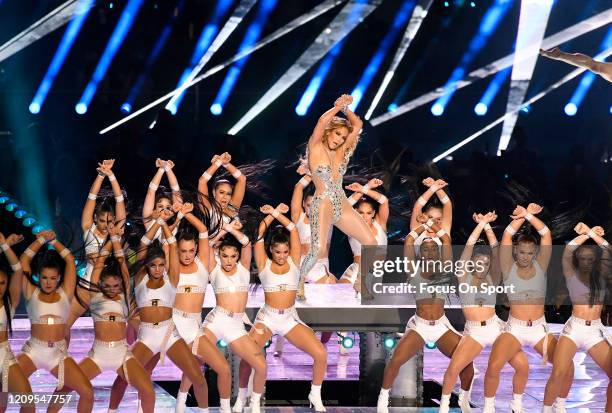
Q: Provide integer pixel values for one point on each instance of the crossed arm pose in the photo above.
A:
(586, 269)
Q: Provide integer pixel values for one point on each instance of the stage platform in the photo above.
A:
(587, 395)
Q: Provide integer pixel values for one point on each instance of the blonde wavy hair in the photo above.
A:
(336, 123)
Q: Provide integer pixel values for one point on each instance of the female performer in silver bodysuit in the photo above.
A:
(330, 147)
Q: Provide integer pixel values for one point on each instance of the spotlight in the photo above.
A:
(28, 221)
(481, 109)
(11, 206)
(472, 4)
(611, 109)
(446, 4)
(437, 109)
(37, 228)
(526, 109)
(221, 344)
(34, 108)
(392, 107)
(347, 342)
(571, 109)
(80, 108)
(126, 108)
(430, 345)
(389, 342)
(216, 109)
(20, 213)
(3, 198)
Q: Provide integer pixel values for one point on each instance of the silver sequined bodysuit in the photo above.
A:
(332, 190)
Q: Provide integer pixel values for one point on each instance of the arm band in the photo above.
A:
(572, 245)
(494, 245)
(16, 267)
(175, 188)
(543, 231)
(413, 234)
(304, 181)
(171, 240)
(160, 221)
(65, 252)
(100, 175)
(119, 199)
(440, 233)
(604, 245)
(116, 238)
(591, 234)
(203, 235)
(290, 226)
(119, 253)
(445, 200)
(421, 201)
(244, 240)
(382, 199)
(364, 189)
(237, 174)
(4, 247)
(218, 163)
(153, 186)
(471, 241)
(488, 227)
(112, 178)
(41, 240)
(352, 201)
(206, 176)
(510, 230)
(528, 217)
(429, 223)
(145, 241)
(259, 240)
(180, 215)
(104, 253)
(91, 196)
(275, 213)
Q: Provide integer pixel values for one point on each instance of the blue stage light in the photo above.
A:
(570, 109)
(437, 109)
(481, 109)
(126, 108)
(216, 109)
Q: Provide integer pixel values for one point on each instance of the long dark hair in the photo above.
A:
(6, 298)
(112, 268)
(594, 275)
(277, 235)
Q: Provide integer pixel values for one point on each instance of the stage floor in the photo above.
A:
(587, 394)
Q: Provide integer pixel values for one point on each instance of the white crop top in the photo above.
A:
(580, 293)
(93, 243)
(381, 238)
(103, 308)
(155, 297)
(194, 282)
(533, 288)
(421, 286)
(273, 282)
(223, 283)
(477, 298)
(48, 313)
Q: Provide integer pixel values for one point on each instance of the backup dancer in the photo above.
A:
(155, 289)
(13, 379)
(230, 278)
(441, 211)
(603, 69)
(187, 313)
(329, 150)
(586, 269)
(279, 275)
(429, 324)
(96, 219)
(374, 209)
(482, 326)
(523, 266)
(109, 303)
(48, 307)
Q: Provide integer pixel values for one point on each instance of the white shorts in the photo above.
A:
(278, 321)
(528, 333)
(109, 355)
(7, 359)
(585, 334)
(158, 337)
(45, 355)
(484, 332)
(187, 324)
(225, 325)
(318, 271)
(351, 273)
(430, 330)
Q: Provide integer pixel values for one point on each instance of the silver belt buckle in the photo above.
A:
(50, 344)
(431, 322)
(587, 322)
(529, 323)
